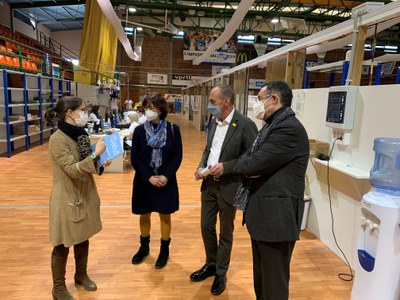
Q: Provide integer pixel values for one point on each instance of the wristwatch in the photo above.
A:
(94, 157)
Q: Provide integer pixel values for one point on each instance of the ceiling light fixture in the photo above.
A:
(275, 20)
(132, 10)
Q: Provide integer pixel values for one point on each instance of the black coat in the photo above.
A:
(146, 197)
(276, 199)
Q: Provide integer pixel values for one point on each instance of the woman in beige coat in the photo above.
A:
(74, 201)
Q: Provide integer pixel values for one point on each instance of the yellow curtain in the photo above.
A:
(99, 45)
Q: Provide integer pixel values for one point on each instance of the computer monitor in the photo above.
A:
(341, 107)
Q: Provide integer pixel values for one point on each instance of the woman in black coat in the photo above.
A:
(156, 156)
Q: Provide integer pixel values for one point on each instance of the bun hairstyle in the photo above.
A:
(58, 113)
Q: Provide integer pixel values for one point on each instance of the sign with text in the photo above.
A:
(218, 69)
(216, 57)
(186, 80)
(255, 84)
(157, 78)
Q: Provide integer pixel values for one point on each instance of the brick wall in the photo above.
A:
(155, 56)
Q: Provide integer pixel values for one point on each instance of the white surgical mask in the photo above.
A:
(82, 120)
(151, 115)
(259, 110)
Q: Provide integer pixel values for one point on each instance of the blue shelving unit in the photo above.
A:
(24, 98)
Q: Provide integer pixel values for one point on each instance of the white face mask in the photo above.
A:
(82, 120)
(151, 115)
(259, 110)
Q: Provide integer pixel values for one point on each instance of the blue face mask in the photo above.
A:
(214, 110)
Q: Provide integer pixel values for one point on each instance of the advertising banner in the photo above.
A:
(197, 42)
(217, 57)
(185, 80)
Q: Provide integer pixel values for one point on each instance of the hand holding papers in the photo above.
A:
(113, 148)
(204, 173)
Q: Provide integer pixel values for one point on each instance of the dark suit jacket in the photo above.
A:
(239, 137)
(276, 199)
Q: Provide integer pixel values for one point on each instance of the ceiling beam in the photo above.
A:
(28, 4)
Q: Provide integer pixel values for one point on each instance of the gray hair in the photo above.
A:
(133, 116)
(227, 92)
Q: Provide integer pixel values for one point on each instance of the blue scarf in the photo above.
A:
(156, 139)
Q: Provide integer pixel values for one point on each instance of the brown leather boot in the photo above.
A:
(81, 277)
(58, 265)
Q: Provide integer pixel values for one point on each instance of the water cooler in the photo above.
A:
(378, 270)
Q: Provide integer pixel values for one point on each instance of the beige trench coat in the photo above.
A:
(74, 201)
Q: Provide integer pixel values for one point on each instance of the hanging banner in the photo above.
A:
(216, 57)
(197, 42)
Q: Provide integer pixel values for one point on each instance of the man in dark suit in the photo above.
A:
(230, 135)
(275, 169)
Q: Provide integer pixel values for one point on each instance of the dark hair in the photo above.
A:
(58, 112)
(228, 92)
(95, 110)
(159, 102)
(146, 101)
(282, 88)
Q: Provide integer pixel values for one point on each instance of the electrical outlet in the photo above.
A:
(344, 137)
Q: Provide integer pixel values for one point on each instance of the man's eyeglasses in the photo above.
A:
(264, 97)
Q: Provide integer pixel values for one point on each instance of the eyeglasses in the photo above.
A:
(265, 97)
(82, 109)
(151, 108)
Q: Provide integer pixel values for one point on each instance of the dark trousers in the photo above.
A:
(271, 269)
(218, 252)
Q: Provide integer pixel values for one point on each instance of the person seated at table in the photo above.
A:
(134, 121)
(141, 110)
(94, 118)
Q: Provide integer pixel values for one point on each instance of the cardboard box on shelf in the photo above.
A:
(33, 128)
(15, 80)
(318, 147)
(16, 118)
(32, 117)
(20, 129)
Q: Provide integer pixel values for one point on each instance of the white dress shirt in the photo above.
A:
(218, 140)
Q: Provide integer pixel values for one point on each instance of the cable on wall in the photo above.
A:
(342, 276)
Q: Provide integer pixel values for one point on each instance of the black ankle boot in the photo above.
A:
(164, 254)
(143, 250)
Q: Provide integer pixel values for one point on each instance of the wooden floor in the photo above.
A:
(25, 251)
